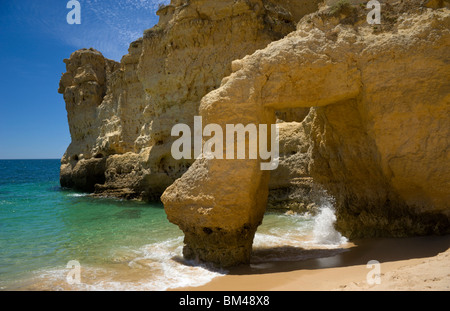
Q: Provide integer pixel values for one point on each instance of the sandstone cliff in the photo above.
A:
(121, 115)
(377, 135)
(363, 113)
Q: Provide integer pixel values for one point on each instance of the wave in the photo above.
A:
(78, 195)
(160, 266)
(324, 232)
(154, 267)
(304, 237)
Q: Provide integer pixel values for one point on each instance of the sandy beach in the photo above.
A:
(406, 264)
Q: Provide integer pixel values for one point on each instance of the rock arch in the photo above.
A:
(359, 127)
(220, 203)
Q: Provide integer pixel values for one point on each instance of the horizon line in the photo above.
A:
(30, 159)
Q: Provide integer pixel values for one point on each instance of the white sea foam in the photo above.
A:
(176, 272)
(324, 231)
(157, 267)
(160, 266)
(299, 237)
(78, 195)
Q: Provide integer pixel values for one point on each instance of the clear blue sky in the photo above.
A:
(34, 39)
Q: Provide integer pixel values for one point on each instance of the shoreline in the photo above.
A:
(406, 264)
(418, 263)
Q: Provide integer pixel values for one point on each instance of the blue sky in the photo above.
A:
(34, 39)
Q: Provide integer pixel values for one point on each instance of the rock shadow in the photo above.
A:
(289, 258)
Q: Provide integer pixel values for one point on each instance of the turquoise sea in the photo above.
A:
(119, 245)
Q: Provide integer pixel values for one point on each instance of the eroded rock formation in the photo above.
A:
(121, 115)
(378, 132)
(363, 112)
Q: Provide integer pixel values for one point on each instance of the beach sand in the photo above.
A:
(406, 264)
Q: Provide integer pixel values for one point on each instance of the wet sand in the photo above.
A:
(421, 263)
(406, 264)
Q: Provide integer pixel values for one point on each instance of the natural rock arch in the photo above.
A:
(220, 203)
(361, 125)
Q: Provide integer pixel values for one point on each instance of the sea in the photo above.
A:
(59, 239)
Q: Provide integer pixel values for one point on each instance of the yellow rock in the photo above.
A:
(127, 110)
(379, 129)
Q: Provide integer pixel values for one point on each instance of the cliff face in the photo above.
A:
(121, 115)
(363, 113)
(84, 86)
(376, 137)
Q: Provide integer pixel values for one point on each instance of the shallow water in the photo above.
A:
(120, 245)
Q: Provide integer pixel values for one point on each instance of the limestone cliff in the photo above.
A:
(376, 137)
(363, 112)
(121, 115)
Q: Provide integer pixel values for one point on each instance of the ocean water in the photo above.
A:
(119, 245)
